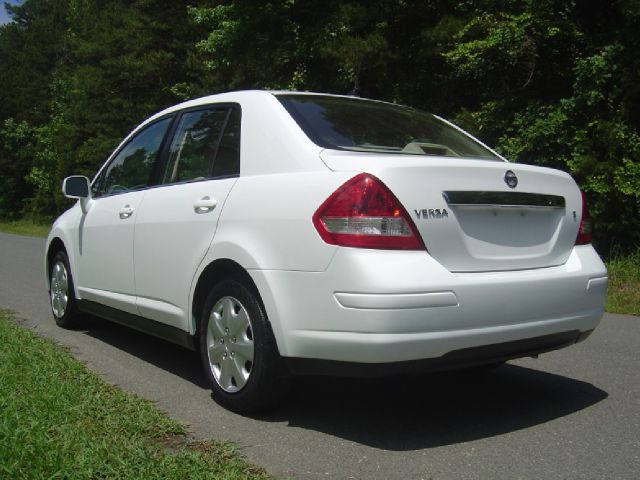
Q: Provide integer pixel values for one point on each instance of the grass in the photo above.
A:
(623, 295)
(59, 420)
(25, 227)
(624, 284)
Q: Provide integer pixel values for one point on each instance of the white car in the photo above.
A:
(284, 233)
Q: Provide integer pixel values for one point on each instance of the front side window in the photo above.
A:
(370, 126)
(132, 167)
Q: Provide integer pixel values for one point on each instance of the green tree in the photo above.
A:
(553, 86)
(86, 72)
(548, 82)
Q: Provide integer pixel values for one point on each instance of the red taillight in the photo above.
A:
(584, 233)
(364, 213)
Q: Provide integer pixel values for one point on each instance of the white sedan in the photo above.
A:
(284, 233)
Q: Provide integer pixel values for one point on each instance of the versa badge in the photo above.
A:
(428, 213)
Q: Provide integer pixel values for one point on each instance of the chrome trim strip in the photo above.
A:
(502, 199)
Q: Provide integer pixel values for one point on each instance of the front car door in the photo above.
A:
(105, 271)
(177, 220)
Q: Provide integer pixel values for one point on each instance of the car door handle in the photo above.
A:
(126, 212)
(205, 205)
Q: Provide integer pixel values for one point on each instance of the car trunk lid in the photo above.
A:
(469, 218)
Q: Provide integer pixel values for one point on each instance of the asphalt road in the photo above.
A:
(573, 413)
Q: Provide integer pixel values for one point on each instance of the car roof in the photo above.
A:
(241, 96)
(231, 97)
(255, 103)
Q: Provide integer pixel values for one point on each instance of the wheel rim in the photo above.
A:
(59, 289)
(230, 344)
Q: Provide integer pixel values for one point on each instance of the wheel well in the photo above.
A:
(55, 246)
(221, 269)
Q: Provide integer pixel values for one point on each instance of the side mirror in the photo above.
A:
(76, 186)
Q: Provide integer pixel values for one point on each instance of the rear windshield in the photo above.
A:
(368, 126)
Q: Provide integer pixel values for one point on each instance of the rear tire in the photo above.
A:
(62, 299)
(238, 350)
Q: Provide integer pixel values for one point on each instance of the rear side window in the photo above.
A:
(369, 126)
(228, 157)
(132, 168)
(206, 144)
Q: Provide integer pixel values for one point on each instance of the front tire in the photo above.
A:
(61, 292)
(238, 351)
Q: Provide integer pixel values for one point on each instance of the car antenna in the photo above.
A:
(356, 84)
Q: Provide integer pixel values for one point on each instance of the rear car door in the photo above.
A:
(177, 221)
(105, 244)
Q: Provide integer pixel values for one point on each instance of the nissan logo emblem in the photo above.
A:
(510, 179)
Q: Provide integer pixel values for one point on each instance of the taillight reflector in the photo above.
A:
(364, 213)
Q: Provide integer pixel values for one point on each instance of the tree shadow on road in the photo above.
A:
(400, 413)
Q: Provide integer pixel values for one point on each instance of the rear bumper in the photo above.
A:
(379, 307)
(457, 359)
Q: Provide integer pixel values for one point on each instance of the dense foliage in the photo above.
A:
(550, 82)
